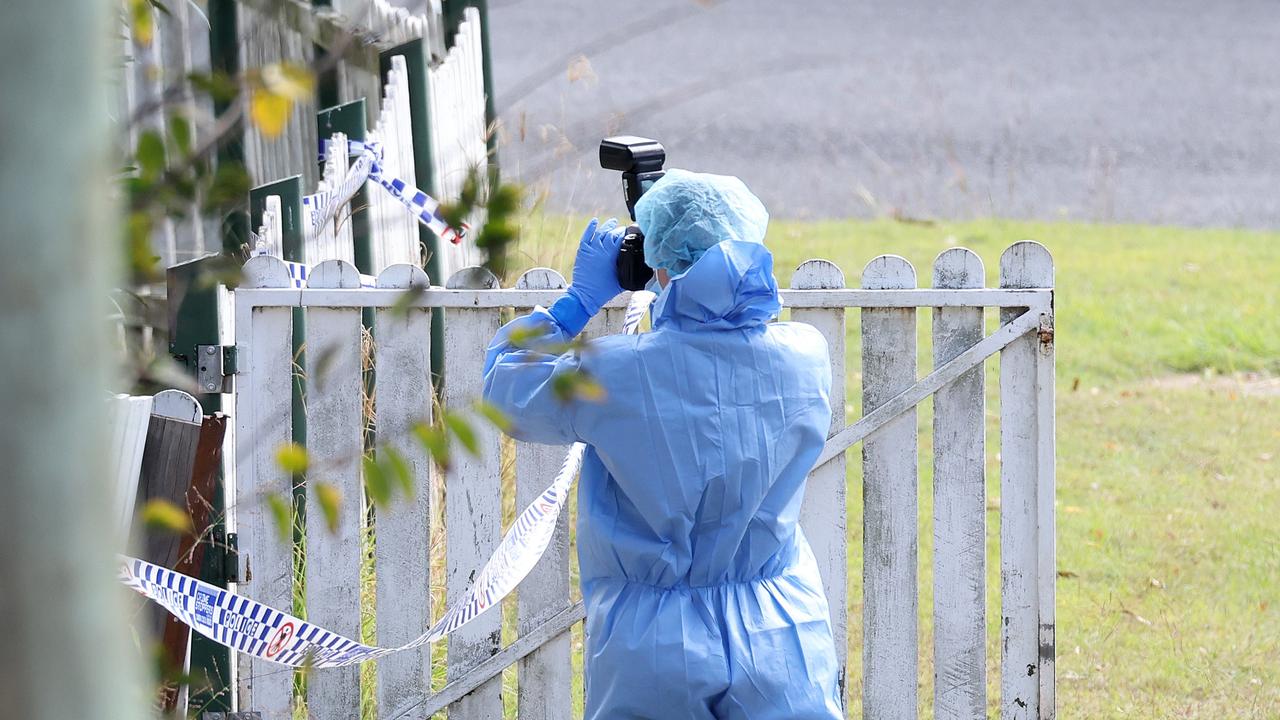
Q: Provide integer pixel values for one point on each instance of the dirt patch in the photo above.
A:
(1251, 384)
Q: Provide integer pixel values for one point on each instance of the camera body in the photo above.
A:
(640, 161)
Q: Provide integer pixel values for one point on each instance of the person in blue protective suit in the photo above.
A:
(703, 598)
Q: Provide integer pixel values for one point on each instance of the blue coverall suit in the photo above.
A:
(703, 598)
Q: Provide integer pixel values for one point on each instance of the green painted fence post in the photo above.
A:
(417, 59)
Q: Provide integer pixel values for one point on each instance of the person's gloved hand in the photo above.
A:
(595, 276)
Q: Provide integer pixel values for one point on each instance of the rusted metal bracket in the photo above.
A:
(1045, 333)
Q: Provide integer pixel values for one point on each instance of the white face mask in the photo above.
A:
(653, 285)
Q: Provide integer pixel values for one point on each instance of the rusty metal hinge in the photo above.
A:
(1045, 332)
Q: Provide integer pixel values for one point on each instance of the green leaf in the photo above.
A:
(462, 430)
(330, 499)
(399, 468)
(180, 134)
(281, 515)
(436, 442)
(470, 193)
(494, 415)
(406, 299)
(455, 214)
(150, 154)
(159, 514)
(142, 22)
(292, 458)
(577, 385)
(230, 186)
(218, 85)
(376, 482)
(504, 201)
(141, 259)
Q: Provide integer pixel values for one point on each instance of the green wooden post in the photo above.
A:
(194, 319)
(417, 60)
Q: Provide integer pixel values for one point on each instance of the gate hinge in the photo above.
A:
(215, 366)
(1046, 328)
(231, 565)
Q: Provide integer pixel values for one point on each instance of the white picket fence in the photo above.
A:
(888, 302)
(458, 134)
(156, 76)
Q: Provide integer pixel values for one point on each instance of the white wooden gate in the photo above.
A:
(888, 300)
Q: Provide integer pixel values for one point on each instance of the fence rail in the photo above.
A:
(889, 304)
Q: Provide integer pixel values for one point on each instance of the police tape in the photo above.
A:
(252, 628)
(322, 207)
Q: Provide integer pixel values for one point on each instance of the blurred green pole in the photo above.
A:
(65, 651)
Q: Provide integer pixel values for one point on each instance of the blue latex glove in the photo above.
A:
(595, 276)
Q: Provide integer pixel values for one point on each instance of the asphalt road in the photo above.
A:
(1152, 111)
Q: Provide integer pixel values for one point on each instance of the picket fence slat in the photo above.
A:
(1025, 472)
(263, 410)
(890, 595)
(959, 503)
(129, 416)
(335, 444)
(822, 515)
(403, 397)
(473, 504)
(545, 675)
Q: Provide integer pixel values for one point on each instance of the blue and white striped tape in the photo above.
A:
(264, 632)
(368, 166)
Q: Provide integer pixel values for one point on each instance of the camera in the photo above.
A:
(640, 161)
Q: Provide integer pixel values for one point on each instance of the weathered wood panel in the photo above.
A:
(191, 550)
(823, 515)
(335, 444)
(1026, 498)
(473, 505)
(890, 597)
(545, 675)
(403, 397)
(167, 463)
(264, 392)
(959, 504)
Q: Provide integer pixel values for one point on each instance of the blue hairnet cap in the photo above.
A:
(685, 214)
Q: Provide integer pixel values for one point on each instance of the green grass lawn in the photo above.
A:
(1168, 454)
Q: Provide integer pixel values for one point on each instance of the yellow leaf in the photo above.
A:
(164, 515)
(330, 497)
(288, 80)
(142, 21)
(269, 112)
(292, 458)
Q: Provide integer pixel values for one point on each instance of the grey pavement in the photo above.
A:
(1152, 111)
